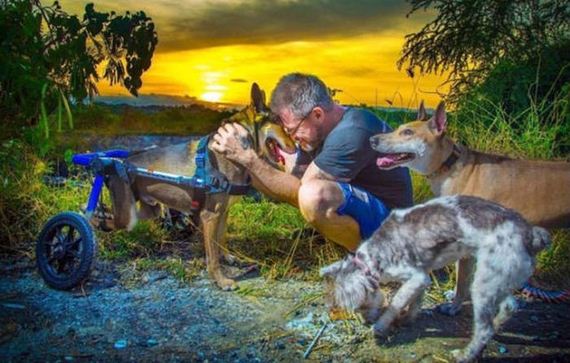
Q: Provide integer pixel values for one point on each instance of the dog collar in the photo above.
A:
(361, 264)
(448, 163)
(373, 278)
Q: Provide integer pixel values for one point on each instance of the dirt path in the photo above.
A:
(162, 320)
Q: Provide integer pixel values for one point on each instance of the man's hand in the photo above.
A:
(234, 142)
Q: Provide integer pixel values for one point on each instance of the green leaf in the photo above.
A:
(43, 112)
(67, 156)
(67, 109)
(59, 109)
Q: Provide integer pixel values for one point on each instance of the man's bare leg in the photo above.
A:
(318, 202)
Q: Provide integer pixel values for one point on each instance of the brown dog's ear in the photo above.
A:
(258, 98)
(263, 100)
(331, 269)
(422, 115)
(439, 119)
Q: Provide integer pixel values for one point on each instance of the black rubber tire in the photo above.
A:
(78, 256)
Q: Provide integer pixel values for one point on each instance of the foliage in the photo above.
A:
(394, 117)
(26, 202)
(48, 56)
(537, 88)
(515, 85)
(540, 130)
(468, 39)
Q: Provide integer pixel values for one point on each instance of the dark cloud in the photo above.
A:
(186, 26)
(239, 80)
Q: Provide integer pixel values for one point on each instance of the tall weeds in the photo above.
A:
(541, 131)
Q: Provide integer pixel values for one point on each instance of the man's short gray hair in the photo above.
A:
(300, 93)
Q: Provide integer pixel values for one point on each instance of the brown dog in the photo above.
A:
(269, 141)
(539, 190)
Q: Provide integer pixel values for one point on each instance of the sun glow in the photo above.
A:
(362, 67)
(211, 96)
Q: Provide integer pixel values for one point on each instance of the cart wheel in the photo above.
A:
(65, 250)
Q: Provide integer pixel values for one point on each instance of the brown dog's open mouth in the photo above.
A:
(388, 161)
(275, 151)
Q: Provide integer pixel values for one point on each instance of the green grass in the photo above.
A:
(486, 127)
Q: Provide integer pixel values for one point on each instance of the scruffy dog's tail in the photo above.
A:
(540, 240)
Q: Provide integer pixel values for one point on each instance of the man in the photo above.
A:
(342, 194)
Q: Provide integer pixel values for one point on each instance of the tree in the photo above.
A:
(48, 56)
(468, 38)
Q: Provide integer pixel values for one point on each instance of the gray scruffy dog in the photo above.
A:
(412, 242)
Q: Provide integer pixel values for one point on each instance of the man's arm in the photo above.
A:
(232, 140)
(314, 172)
(274, 183)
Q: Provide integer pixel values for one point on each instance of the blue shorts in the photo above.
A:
(367, 210)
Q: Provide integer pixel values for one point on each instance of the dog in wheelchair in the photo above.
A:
(211, 208)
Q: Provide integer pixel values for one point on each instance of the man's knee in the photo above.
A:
(318, 198)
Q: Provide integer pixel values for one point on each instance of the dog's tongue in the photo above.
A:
(278, 154)
(385, 161)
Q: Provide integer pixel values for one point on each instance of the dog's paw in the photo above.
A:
(449, 309)
(227, 284)
(381, 330)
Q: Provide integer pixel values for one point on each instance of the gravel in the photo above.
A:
(161, 319)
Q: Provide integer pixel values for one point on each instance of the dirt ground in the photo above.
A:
(161, 319)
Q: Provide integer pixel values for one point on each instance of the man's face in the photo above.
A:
(305, 131)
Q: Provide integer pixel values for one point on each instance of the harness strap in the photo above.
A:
(212, 177)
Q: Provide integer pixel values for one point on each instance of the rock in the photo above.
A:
(503, 349)
(303, 323)
(151, 342)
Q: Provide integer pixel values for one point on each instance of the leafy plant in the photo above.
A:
(48, 57)
(468, 39)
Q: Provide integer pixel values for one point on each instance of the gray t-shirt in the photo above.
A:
(346, 153)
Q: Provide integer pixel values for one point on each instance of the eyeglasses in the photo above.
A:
(296, 128)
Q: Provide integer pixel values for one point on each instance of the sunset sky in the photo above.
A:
(214, 50)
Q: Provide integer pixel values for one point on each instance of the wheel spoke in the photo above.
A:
(51, 242)
(73, 253)
(58, 235)
(60, 266)
(69, 237)
(73, 243)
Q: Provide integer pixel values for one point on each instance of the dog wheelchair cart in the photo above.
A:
(66, 246)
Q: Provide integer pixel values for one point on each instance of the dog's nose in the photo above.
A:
(373, 141)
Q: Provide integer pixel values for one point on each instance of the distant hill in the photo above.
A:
(154, 99)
